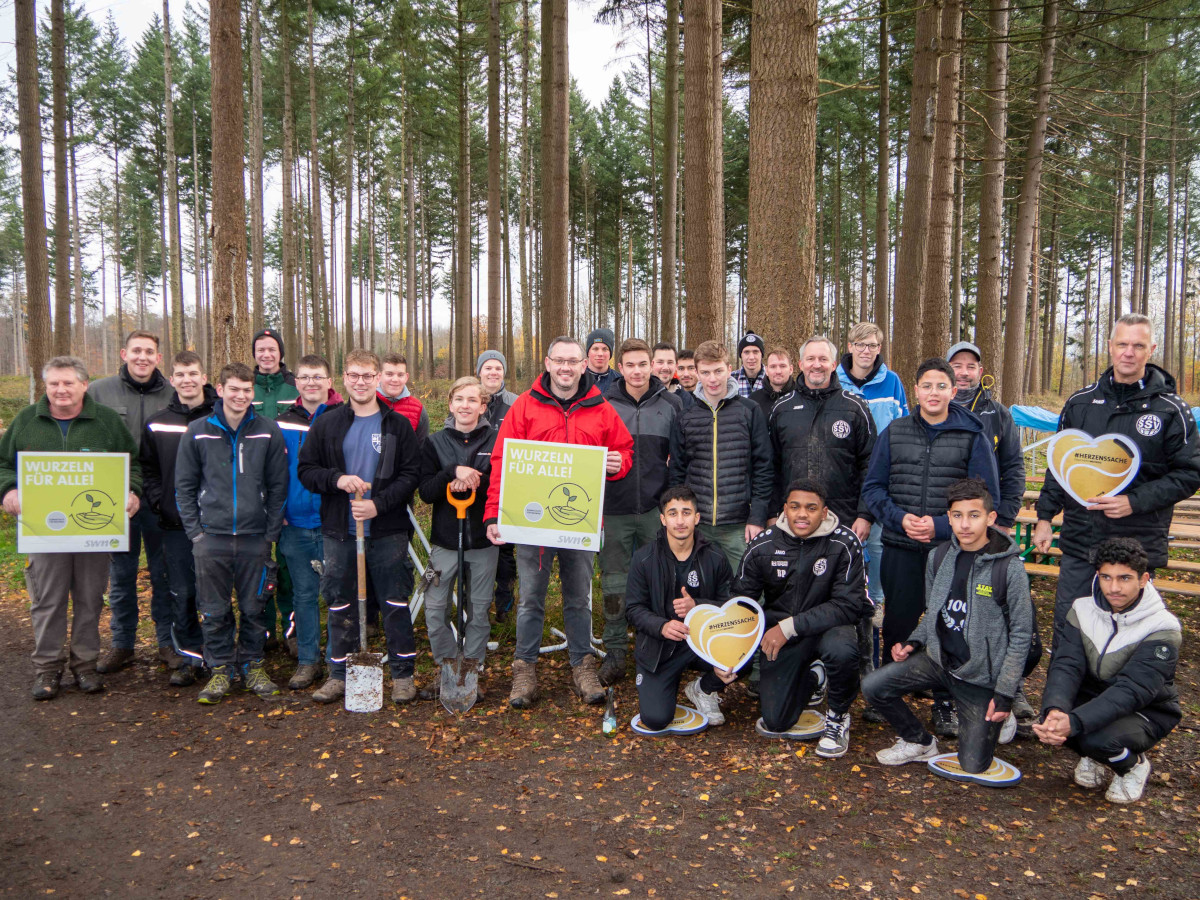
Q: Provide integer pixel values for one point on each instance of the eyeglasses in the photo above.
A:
(361, 376)
(558, 361)
(859, 345)
(310, 379)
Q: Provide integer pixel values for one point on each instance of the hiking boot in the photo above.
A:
(89, 682)
(168, 655)
(293, 647)
(1008, 730)
(872, 715)
(303, 677)
(709, 704)
(333, 689)
(184, 676)
(115, 660)
(944, 719)
(1090, 774)
(1021, 707)
(1128, 788)
(218, 686)
(903, 752)
(836, 739)
(612, 669)
(585, 683)
(524, 686)
(404, 689)
(258, 682)
(45, 686)
(433, 690)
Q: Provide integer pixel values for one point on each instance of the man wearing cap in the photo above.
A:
(599, 350)
(274, 386)
(751, 376)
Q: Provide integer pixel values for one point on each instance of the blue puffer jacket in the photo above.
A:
(303, 507)
(883, 390)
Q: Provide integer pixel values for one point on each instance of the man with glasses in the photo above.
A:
(363, 446)
(564, 407)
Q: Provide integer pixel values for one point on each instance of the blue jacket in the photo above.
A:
(883, 390)
(303, 507)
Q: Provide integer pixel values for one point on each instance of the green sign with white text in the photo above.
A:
(72, 502)
(552, 495)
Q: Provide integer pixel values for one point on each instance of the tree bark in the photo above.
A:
(718, 108)
(882, 188)
(62, 205)
(80, 320)
(462, 291)
(1137, 297)
(956, 249)
(174, 263)
(1116, 264)
(495, 259)
(524, 200)
(287, 299)
(555, 169)
(1169, 311)
(667, 326)
(348, 252)
(257, 224)
(322, 342)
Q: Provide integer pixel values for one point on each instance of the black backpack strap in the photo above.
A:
(1000, 596)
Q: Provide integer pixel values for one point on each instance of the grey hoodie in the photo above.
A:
(997, 653)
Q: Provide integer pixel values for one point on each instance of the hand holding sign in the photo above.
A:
(1090, 468)
(725, 636)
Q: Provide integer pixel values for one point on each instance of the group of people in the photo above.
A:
(877, 539)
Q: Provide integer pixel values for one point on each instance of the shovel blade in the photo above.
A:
(460, 685)
(364, 683)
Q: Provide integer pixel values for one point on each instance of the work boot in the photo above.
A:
(303, 677)
(184, 676)
(612, 669)
(293, 647)
(167, 654)
(115, 660)
(218, 686)
(333, 689)
(258, 682)
(524, 686)
(89, 682)
(585, 682)
(404, 689)
(45, 686)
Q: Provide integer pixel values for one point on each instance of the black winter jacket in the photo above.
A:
(1158, 420)
(650, 591)
(766, 396)
(159, 449)
(650, 422)
(134, 401)
(1006, 443)
(827, 435)
(232, 481)
(322, 463)
(441, 454)
(808, 585)
(724, 455)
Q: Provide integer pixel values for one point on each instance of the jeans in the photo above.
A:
(886, 688)
(385, 562)
(122, 591)
(52, 580)
(181, 575)
(575, 575)
(300, 547)
(225, 562)
(280, 606)
(622, 535)
(1118, 744)
(874, 547)
(481, 564)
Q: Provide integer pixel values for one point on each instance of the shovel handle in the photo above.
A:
(460, 504)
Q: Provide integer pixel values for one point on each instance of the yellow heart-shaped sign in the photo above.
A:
(728, 635)
(1089, 467)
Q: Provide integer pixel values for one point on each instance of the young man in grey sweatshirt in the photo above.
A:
(973, 640)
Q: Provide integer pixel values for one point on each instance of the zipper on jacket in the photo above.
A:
(714, 467)
(1104, 649)
(637, 421)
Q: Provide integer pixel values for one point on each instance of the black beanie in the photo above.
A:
(749, 339)
(271, 333)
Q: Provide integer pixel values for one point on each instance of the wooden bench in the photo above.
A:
(1164, 586)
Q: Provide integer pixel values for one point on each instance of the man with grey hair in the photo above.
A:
(564, 407)
(1136, 399)
(66, 419)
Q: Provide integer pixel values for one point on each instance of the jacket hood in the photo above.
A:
(156, 383)
(960, 418)
(1155, 381)
(218, 413)
(587, 386)
(999, 545)
(731, 390)
(831, 522)
(1149, 604)
(403, 393)
(619, 389)
(846, 367)
(206, 405)
(788, 386)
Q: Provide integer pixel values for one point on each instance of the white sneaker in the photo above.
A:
(1008, 730)
(903, 752)
(709, 704)
(1128, 788)
(1090, 774)
(836, 739)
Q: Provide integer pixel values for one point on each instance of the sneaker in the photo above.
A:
(1090, 774)
(524, 686)
(1128, 788)
(1008, 730)
(1021, 707)
(818, 694)
(218, 686)
(586, 683)
(836, 739)
(944, 719)
(903, 752)
(612, 669)
(404, 689)
(89, 682)
(184, 676)
(258, 682)
(46, 685)
(115, 660)
(303, 677)
(332, 690)
(709, 704)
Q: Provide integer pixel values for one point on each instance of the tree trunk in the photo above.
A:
(1050, 305)
(914, 228)
(1116, 275)
(231, 331)
(1169, 311)
(202, 325)
(1137, 297)
(174, 263)
(1031, 355)
(462, 290)
(80, 329)
(257, 225)
(287, 299)
(525, 199)
(322, 342)
(652, 306)
(348, 252)
(956, 249)
(62, 205)
(555, 169)
(1009, 385)
(667, 326)
(882, 189)
(988, 333)
(718, 108)
(495, 259)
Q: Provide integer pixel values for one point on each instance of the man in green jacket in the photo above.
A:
(66, 419)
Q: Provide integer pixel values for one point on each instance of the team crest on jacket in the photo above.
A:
(693, 579)
(376, 442)
(1149, 424)
(819, 566)
(841, 429)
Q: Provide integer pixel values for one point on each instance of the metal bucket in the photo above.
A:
(364, 682)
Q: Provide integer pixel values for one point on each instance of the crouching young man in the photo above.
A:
(972, 642)
(666, 579)
(1110, 694)
(809, 570)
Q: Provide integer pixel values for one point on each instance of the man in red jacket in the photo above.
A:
(564, 406)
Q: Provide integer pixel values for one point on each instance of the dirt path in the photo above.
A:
(143, 792)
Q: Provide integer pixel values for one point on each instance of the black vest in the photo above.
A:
(922, 470)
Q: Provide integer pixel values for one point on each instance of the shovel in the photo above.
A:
(364, 670)
(460, 682)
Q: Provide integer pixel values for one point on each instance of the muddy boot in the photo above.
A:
(612, 669)
(332, 690)
(585, 683)
(167, 655)
(524, 686)
(184, 676)
(293, 647)
(404, 689)
(115, 660)
(46, 685)
(90, 682)
(218, 686)
(303, 677)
